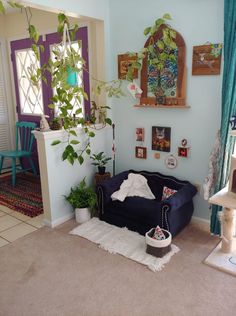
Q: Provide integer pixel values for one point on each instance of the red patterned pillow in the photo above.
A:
(167, 192)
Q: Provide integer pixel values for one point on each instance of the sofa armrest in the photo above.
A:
(106, 188)
(178, 199)
(176, 211)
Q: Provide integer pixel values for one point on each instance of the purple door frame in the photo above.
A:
(15, 46)
(82, 35)
(53, 38)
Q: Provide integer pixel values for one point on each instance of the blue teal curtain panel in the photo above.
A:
(228, 103)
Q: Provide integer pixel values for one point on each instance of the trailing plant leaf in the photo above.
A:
(80, 159)
(108, 121)
(55, 142)
(74, 142)
(167, 16)
(33, 33)
(2, 8)
(147, 31)
(72, 132)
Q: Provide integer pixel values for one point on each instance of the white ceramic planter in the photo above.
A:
(82, 215)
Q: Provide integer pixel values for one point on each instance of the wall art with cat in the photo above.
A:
(161, 138)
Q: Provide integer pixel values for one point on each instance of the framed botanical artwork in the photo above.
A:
(161, 138)
(140, 134)
(124, 61)
(141, 152)
(207, 59)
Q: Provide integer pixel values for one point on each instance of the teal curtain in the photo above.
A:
(228, 103)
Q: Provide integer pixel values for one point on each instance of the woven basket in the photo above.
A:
(158, 248)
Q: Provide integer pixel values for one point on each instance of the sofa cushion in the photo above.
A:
(167, 192)
(138, 209)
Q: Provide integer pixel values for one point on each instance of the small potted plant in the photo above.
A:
(100, 160)
(84, 200)
(55, 124)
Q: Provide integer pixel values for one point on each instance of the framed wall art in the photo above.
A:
(140, 134)
(141, 152)
(207, 59)
(124, 61)
(171, 162)
(161, 138)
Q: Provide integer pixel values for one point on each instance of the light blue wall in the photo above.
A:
(198, 22)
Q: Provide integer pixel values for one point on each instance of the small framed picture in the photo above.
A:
(171, 162)
(141, 152)
(124, 61)
(183, 151)
(161, 138)
(207, 59)
(140, 134)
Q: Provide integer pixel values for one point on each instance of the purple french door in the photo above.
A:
(32, 101)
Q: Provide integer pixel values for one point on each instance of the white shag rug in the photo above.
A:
(122, 241)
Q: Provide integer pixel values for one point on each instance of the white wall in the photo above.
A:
(198, 22)
(57, 176)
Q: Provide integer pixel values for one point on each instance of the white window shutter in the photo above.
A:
(4, 122)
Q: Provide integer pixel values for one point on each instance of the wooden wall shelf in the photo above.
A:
(159, 106)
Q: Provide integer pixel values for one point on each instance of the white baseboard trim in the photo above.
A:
(199, 220)
(58, 221)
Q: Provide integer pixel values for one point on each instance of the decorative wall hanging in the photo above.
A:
(207, 59)
(141, 152)
(165, 84)
(134, 90)
(140, 134)
(183, 150)
(161, 138)
(157, 156)
(171, 162)
(124, 61)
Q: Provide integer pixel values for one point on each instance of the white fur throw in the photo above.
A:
(135, 185)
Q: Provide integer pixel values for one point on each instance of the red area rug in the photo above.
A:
(25, 197)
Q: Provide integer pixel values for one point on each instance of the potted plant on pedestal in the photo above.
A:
(84, 200)
(100, 160)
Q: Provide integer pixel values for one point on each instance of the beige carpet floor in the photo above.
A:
(50, 272)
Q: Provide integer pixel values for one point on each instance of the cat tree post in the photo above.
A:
(227, 218)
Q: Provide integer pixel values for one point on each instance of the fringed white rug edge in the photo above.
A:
(122, 241)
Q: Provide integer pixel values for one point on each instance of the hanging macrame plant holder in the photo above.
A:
(71, 74)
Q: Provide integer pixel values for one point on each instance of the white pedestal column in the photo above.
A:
(228, 202)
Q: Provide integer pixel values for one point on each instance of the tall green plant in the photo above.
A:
(157, 52)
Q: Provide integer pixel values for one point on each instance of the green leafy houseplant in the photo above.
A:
(158, 53)
(83, 196)
(100, 160)
(63, 65)
(55, 123)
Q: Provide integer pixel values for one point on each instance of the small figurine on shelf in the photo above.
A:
(44, 126)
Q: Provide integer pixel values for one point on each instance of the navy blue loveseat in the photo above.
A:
(140, 214)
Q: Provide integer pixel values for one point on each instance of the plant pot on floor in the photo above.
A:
(82, 215)
(101, 170)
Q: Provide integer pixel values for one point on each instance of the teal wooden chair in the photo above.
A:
(25, 139)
